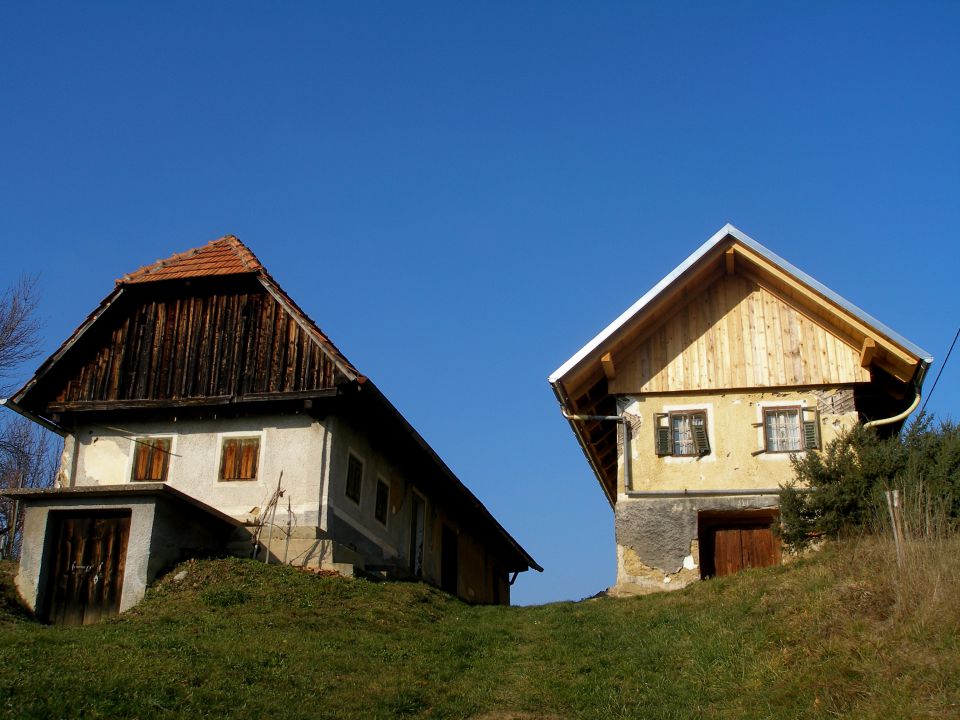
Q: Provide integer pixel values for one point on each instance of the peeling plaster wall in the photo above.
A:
(657, 543)
(291, 444)
(734, 425)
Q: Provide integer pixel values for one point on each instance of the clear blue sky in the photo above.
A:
(461, 195)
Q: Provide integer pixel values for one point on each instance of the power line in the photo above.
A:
(940, 372)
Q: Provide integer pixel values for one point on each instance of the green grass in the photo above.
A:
(835, 635)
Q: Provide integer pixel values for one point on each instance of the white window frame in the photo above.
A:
(778, 455)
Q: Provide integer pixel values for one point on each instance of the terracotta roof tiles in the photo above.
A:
(225, 256)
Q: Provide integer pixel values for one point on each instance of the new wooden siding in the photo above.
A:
(736, 334)
(213, 344)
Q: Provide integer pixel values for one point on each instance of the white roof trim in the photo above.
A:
(730, 230)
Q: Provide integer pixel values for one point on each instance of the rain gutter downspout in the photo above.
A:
(918, 380)
(627, 471)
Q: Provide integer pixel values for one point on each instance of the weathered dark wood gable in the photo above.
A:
(205, 338)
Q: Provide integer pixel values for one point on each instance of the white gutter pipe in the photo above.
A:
(897, 418)
(627, 456)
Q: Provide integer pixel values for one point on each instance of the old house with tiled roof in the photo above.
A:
(689, 406)
(202, 409)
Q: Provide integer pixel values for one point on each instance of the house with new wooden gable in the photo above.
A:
(689, 406)
(202, 410)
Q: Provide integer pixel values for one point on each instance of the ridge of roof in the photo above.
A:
(729, 230)
(223, 256)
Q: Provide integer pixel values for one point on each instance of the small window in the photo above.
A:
(786, 430)
(383, 501)
(354, 478)
(239, 458)
(682, 434)
(151, 459)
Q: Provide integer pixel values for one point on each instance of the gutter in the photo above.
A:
(917, 382)
(48, 424)
(702, 493)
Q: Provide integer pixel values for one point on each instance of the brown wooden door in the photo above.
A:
(85, 572)
(740, 548)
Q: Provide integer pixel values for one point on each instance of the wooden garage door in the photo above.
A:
(737, 542)
(85, 572)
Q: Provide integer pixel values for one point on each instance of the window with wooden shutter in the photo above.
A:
(354, 487)
(239, 458)
(701, 442)
(811, 430)
(661, 428)
(151, 458)
(781, 430)
(682, 434)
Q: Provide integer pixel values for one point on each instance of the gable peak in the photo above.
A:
(224, 256)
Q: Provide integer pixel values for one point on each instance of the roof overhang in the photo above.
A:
(580, 382)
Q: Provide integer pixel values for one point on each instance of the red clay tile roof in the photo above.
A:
(226, 256)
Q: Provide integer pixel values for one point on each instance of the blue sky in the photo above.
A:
(461, 197)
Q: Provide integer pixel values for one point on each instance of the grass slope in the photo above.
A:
(835, 635)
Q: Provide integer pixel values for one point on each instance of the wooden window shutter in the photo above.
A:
(661, 425)
(239, 458)
(811, 432)
(151, 459)
(698, 423)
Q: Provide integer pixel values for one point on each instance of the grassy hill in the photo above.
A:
(841, 634)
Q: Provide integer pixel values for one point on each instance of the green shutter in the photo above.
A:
(810, 439)
(661, 425)
(698, 425)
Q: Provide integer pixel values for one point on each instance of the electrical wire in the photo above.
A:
(936, 380)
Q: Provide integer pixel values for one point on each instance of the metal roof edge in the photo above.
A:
(740, 236)
(639, 304)
(830, 294)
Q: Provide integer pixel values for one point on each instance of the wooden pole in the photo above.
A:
(896, 522)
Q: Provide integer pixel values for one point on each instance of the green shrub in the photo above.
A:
(842, 488)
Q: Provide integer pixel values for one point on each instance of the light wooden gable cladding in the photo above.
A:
(199, 340)
(735, 334)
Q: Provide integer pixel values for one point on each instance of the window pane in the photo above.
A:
(782, 430)
(682, 435)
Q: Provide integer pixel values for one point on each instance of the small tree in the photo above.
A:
(27, 451)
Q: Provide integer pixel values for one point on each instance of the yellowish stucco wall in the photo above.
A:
(735, 429)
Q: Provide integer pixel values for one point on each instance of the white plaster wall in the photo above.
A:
(394, 538)
(294, 445)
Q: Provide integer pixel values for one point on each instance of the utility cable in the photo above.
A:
(930, 394)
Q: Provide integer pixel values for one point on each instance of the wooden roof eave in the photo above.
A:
(875, 342)
(585, 445)
(67, 344)
(308, 326)
(895, 354)
(525, 560)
